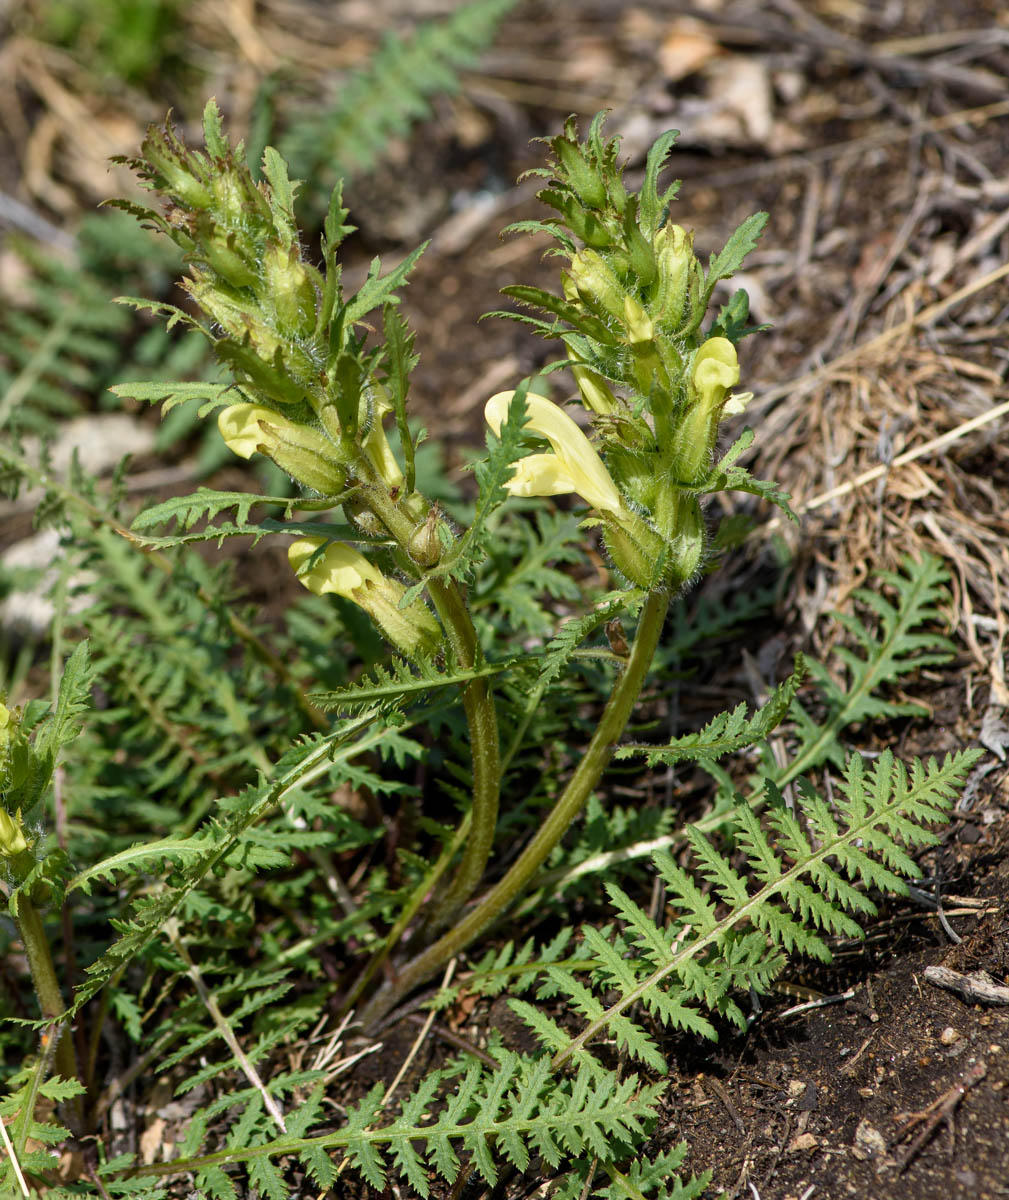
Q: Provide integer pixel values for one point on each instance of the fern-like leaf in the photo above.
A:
(399, 682)
(729, 731)
(517, 1111)
(170, 394)
(560, 649)
(810, 868)
(901, 645)
(389, 94)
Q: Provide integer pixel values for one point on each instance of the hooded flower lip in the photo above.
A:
(248, 427)
(344, 571)
(574, 465)
(376, 446)
(716, 369)
(303, 452)
(339, 569)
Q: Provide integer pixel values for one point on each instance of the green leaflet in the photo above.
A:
(727, 732)
(804, 874)
(901, 644)
(399, 682)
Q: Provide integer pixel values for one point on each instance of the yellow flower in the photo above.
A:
(301, 451)
(343, 571)
(12, 835)
(339, 569)
(716, 369)
(376, 446)
(574, 465)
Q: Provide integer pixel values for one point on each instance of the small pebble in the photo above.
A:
(948, 1036)
(869, 1142)
(804, 1141)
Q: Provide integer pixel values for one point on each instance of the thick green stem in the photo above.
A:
(47, 988)
(481, 717)
(600, 750)
(478, 705)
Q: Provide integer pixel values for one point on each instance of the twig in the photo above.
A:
(730, 1108)
(809, 1005)
(976, 988)
(221, 1023)
(939, 1110)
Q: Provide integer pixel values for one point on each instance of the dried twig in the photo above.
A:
(939, 1110)
(976, 988)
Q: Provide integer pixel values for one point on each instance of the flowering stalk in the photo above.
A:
(656, 388)
(317, 398)
(24, 774)
(314, 393)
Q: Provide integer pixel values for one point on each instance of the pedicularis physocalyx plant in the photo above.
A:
(317, 384)
(313, 392)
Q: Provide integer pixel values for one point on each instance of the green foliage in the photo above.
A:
(397, 685)
(121, 41)
(393, 91)
(727, 732)
(58, 344)
(904, 642)
(803, 874)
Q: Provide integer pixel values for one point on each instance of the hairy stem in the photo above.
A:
(598, 754)
(478, 704)
(481, 717)
(47, 988)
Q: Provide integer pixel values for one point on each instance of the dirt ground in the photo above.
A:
(877, 136)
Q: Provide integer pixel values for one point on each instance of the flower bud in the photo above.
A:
(686, 552)
(233, 201)
(12, 835)
(425, 546)
(379, 452)
(237, 316)
(303, 452)
(341, 570)
(169, 158)
(637, 551)
(597, 283)
(222, 255)
(637, 322)
(594, 391)
(584, 178)
(715, 369)
(289, 289)
(674, 249)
